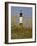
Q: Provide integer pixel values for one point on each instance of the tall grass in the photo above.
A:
(20, 32)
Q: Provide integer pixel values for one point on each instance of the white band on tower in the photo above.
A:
(20, 20)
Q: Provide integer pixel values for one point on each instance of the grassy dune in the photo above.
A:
(20, 32)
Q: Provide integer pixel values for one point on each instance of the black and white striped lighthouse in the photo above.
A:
(21, 17)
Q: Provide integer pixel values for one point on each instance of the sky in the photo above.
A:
(25, 10)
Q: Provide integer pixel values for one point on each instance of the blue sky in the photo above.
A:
(25, 10)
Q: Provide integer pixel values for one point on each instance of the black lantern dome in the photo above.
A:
(21, 13)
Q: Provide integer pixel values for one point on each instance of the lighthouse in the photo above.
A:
(21, 17)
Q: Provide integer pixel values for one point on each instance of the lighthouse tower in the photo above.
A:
(21, 18)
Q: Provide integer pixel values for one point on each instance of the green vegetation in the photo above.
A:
(20, 32)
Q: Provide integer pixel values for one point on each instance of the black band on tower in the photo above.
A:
(20, 14)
